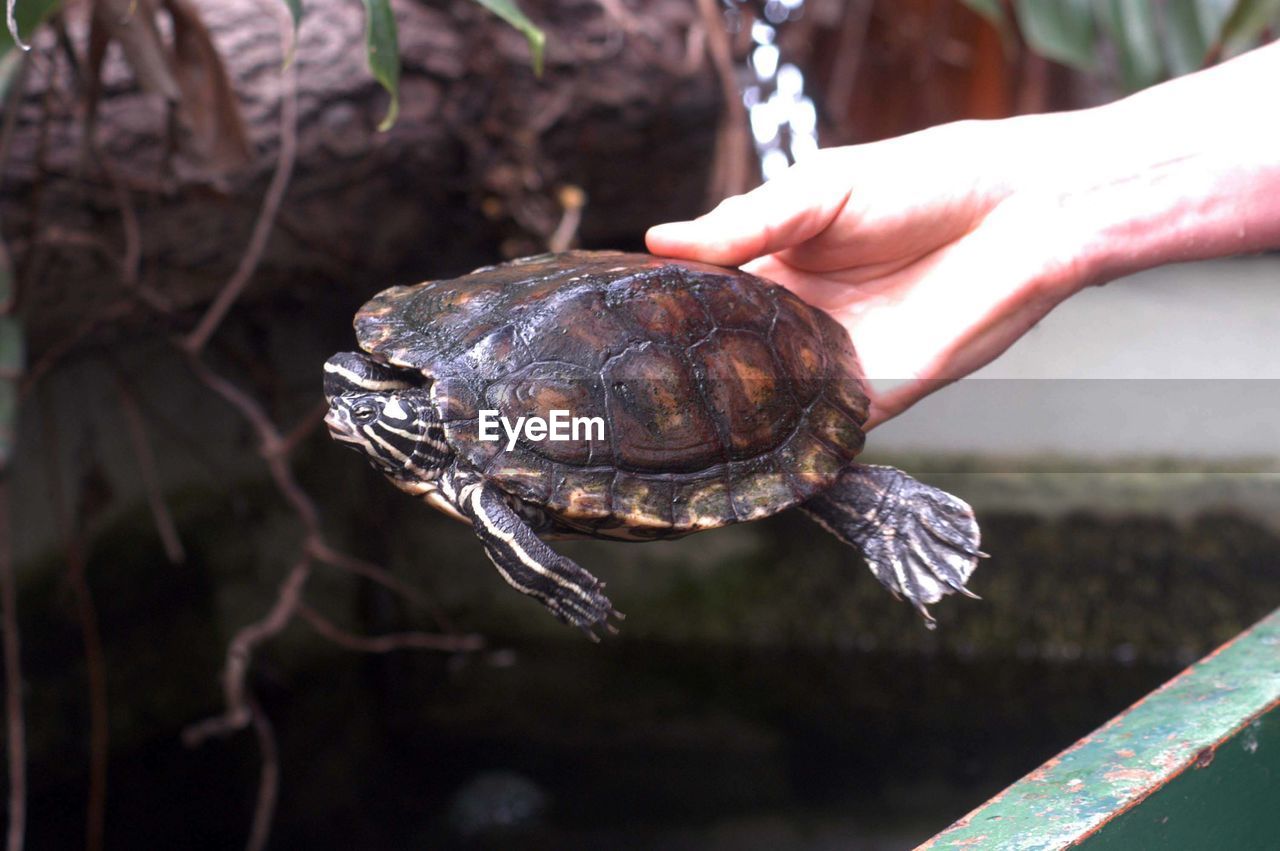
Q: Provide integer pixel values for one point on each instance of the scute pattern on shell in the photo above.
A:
(726, 398)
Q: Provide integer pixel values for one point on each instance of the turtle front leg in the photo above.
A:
(920, 542)
(572, 594)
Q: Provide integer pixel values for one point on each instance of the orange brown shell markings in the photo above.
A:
(725, 398)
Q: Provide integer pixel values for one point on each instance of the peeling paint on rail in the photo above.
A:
(1172, 733)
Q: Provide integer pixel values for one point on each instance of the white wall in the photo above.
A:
(1182, 361)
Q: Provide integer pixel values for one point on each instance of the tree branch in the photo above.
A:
(387, 643)
(268, 779)
(146, 459)
(197, 339)
(238, 712)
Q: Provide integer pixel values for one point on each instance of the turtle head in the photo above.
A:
(386, 414)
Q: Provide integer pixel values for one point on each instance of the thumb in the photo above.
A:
(795, 206)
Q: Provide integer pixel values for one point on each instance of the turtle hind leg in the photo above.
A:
(920, 542)
(572, 594)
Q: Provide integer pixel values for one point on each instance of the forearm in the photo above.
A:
(1183, 171)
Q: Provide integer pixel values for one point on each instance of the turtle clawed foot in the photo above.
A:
(608, 627)
(589, 630)
(930, 622)
(920, 542)
(586, 607)
(929, 553)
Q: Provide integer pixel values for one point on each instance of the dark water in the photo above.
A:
(777, 700)
(633, 744)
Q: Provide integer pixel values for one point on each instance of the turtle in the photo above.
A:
(708, 396)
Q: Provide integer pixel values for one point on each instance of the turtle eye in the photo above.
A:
(364, 413)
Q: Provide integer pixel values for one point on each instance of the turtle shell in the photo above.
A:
(724, 397)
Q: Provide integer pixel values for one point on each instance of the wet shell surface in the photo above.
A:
(725, 398)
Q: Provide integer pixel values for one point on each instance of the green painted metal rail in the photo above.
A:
(1195, 764)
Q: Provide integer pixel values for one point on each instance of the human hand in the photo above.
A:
(938, 250)
(923, 247)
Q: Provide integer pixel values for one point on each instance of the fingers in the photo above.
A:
(964, 350)
(886, 406)
(794, 207)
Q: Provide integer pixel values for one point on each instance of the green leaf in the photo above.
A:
(295, 12)
(1062, 30)
(25, 15)
(11, 21)
(383, 48)
(1132, 28)
(1213, 14)
(510, 12)
(989, 9)
(1245, 23)
(1185, 42)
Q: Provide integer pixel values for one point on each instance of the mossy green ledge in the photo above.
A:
(1195, 764)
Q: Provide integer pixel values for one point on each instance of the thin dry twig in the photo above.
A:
(271, 446)
(274, 450)
(95, 664)
(35, 202)
(572, 201)
(58, 236)
(163, 422)
(54, 354)
(132, 258)
(630, 22)
(198, 338)
(268, 779)
(241, 708)
(303, 429)
(848, 61)
(731, 169)
(58, 23)
(15, 722)
(390, 642)
(695, 50)
(238, 713)
(322, 552)
(61, 236)
(147, 469)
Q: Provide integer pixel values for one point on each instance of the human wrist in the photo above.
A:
(1184, 171)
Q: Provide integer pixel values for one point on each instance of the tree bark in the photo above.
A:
(626, 110)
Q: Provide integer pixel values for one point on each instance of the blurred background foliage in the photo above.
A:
(1143, 41)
